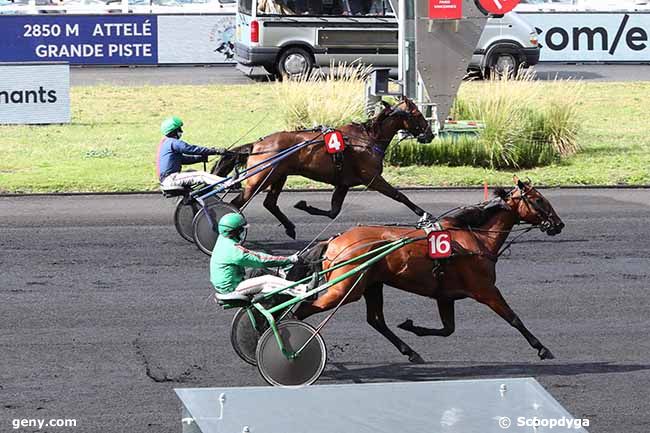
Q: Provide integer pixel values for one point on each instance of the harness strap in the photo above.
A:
(465, 252)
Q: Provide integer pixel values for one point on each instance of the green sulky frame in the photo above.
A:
(372, 257)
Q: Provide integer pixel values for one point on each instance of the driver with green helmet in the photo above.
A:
(173, 153)
(230, 260)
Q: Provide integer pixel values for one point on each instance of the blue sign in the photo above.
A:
(80, 40)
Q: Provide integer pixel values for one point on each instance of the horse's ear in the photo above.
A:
(385, 104)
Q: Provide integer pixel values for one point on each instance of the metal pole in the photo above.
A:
(410, 68)
(401, 37)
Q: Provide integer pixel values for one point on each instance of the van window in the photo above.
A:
(324, 7)
(246, 7)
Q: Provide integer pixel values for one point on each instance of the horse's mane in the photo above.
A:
(477, 215)
(372, 125)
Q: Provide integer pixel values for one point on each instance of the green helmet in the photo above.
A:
(170, 124)
(231, 222)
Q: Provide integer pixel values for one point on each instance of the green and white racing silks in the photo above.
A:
(230, 260)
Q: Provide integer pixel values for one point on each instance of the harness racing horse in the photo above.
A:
(478, 234)
(365, 146)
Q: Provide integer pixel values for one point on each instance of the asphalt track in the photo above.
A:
(228, 74)
(103, 310)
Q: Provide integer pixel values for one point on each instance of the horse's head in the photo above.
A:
(532, 207)
(410, 118)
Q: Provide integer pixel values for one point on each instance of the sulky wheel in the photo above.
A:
(248, 324)
(184, 216)
(186, 210)
(244, 334)
(302, 370)
(206, 219)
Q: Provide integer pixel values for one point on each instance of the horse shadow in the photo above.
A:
(435, 371)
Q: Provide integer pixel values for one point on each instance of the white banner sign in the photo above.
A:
(196, 39)
(34, 93)
(592, 37)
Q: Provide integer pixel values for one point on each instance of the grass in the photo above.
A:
(111, 144)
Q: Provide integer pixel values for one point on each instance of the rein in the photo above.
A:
(266, 152)
(249, 131)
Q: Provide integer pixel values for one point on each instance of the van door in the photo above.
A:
(245, 14)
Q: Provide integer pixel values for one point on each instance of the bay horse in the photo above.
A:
(362, 161)
(478, 233)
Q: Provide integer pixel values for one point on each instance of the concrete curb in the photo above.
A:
(303, 190)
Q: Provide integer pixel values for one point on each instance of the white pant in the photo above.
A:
(269, 283)
(190, 178)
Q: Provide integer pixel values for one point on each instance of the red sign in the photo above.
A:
(499, 6)
(439, 245)
(445, 9)
(334, 142)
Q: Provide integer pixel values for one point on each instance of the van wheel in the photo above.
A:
(271, 69)
(504, 65)
(294, 61)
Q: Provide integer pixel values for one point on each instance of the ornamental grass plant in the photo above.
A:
(333, 99)
(528, 123)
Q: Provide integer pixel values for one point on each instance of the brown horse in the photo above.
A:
(478, 234)
(361, 162)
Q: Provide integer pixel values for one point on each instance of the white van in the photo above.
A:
(292, 36)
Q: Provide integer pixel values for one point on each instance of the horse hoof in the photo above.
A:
(406, 325)
(291, 232)
(302, 205)
(415, 358)
(544, 353)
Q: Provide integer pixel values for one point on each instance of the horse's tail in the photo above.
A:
(232, 158)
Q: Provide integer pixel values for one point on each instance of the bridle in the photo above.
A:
(394, 112)
(410, 120)
(531, 205)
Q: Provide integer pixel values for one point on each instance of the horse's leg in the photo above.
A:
(447, 312)
(271, 203)
(375, 315)
(337, 202)
(380, 185)
(253, 185)
(498, 304)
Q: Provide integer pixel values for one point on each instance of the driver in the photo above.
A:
(173, 153)
(230, 260)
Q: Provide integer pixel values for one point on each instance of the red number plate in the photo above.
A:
(334, 142)
(439, 245)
